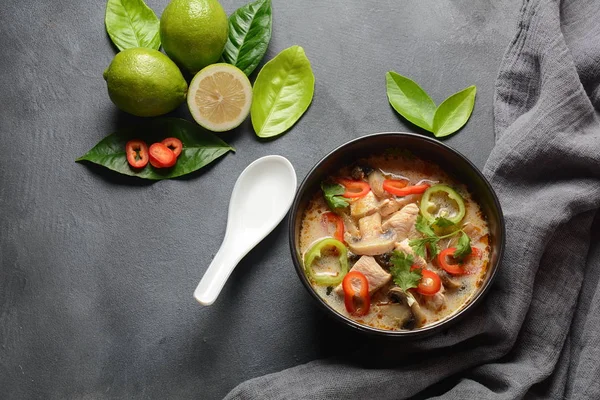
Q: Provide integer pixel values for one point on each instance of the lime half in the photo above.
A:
(219, 97)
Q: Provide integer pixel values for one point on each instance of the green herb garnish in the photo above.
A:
(463, 248)
(401, 271)
(333, 195)
(431, 239)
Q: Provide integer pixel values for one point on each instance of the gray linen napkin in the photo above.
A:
(537, 335)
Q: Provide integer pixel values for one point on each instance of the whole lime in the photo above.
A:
(145, 82)
(194, 32)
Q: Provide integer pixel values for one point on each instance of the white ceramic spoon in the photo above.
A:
(262, 195)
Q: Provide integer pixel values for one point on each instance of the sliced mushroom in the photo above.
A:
(349, 225)
(375, 180)
(448, 281)
(360, 171)
(407, 298)
(366, 205)
(373, 240)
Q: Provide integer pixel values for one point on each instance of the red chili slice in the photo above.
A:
(430, 283)
(339, 224)
(400, 188)
(161, 156)
(354, 189)
(457, 268)
(351, 296)
(174, 145)
(137, 153)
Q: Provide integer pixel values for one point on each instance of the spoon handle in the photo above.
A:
(216, 275)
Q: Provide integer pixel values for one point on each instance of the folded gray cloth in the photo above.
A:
(537, 335)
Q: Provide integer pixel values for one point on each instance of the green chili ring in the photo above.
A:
(426, 203)
(316, 251)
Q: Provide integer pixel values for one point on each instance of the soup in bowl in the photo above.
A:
(396, 234)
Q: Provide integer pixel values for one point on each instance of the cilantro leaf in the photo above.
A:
(423, 227)
(443, 222)
(332, 192)
(401, 271)
(419, 246)
(463, 247)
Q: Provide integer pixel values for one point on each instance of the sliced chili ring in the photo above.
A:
(354, 189)
(400, 187)
(351, 295)
(161, 156)
(137, 153)
(316, 251)
(330, 217)
(174, 145)
(430, 283)
(427, 204)
(458, 268)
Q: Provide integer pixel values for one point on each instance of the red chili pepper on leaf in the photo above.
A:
(137, 153)
(161, 156)
(174, 145)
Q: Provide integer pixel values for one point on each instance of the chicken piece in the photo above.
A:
(376, 276)
(391, 205)
(403, 221)
(435, 302)
(373, 239)
(364, 206)
(417, 259)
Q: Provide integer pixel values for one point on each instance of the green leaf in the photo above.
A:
(442, 222)
(199, 148)
(410, 100)
(131, 23)
(422, 226)
(419, 246)
(332, 193)
(463, 247)
(249, 35)
(454, 112)
(401, 271)
(282, 92)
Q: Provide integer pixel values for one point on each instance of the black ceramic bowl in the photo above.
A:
(457, 165)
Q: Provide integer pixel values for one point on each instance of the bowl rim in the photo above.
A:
(421, 332)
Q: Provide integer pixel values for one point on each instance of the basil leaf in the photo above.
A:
(282, 92)
(332, 193)
(454, 112)
(409, 100)
(401, 271)
(199, 148)
(249, 35)
(463, 247)
(131, 23)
